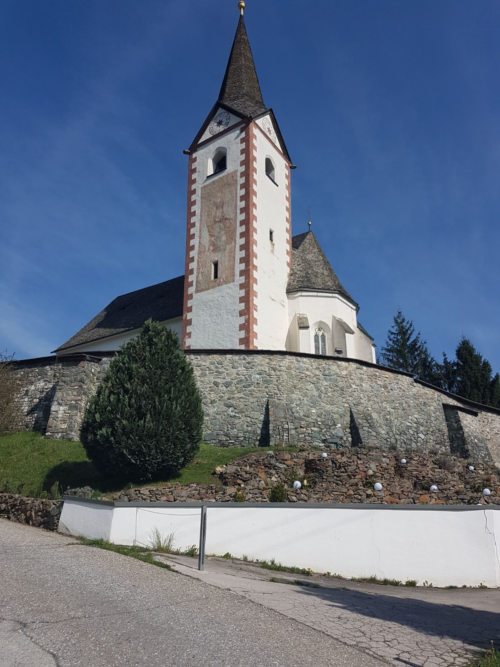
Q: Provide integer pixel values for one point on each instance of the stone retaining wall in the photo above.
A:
(273, 398)
(37, 512)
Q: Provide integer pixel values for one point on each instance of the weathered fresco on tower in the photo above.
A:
(217, 245)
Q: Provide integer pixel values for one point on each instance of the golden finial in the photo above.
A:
(242, 6)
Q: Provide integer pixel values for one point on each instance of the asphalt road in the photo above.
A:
(62, 603)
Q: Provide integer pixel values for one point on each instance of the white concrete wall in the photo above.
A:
(114, 343)
(444, 547)
(87, 519)
(215, 315)
(272, 270)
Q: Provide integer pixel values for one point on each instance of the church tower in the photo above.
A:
(238, 242)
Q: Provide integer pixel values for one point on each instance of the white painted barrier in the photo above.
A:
(440, 545)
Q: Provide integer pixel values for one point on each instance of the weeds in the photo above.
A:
(273, 565)
(133, 552)
(162, 544)
(375, 580)
(491, 658)
(190, 551)
(165, 545)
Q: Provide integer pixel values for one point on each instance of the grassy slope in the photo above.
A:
(30, 464)
(490, 659)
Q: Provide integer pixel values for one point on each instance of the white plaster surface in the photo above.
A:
(215, 318)
(272, 271)
(266, 124)
(327, 310)
(443, 547)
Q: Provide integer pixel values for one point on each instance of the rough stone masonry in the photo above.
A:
(280, 398)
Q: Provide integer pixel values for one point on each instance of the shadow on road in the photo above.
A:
(474, 627)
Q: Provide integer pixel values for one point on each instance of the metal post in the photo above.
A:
(203, 538)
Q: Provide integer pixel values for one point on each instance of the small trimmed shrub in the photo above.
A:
(278, 494)
(146, 417)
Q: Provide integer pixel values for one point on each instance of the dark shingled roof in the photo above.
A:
(310, 269)
(129, 311)
(241, 89)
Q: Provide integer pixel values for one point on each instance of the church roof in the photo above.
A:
(311, 270)
(240, 88)
(127, 312)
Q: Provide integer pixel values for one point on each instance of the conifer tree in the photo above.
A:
(473, 374)
(448, 375)
(495, 391)
(405, 350)
(146, 417)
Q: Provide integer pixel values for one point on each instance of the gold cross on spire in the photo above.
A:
(242, 5)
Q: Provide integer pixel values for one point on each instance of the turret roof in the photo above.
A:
(310, 269)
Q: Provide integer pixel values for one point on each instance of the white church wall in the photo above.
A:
(216, 326)
(272, 271)
(215, 311)
(114, 343)
(266, 125)
(322, 307)
(364, 347)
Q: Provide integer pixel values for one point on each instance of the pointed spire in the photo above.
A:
(241, 89)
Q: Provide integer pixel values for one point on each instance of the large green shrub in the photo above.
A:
(146, 417)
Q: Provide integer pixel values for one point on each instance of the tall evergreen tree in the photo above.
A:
(495, 391)
(448, 375)
(405, 350)
(473, 374)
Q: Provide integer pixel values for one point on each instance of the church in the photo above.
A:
(248, 284)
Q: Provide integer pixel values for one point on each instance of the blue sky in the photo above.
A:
(390, 109)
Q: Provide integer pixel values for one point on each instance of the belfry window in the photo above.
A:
(320, 342)
(218, 162)
(270, 171)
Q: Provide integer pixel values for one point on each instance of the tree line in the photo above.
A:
(468, 374)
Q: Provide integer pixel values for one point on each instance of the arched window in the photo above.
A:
(320, 342)
(218, 162)
(270, 171)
